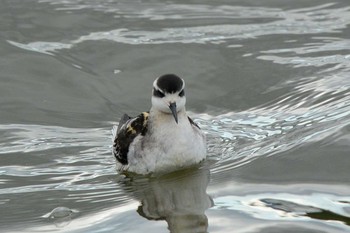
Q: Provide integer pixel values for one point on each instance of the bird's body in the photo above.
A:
(163, 139)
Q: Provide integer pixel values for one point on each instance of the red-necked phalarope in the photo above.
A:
(163, 139)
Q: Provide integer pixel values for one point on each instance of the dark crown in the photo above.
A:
(169, 83)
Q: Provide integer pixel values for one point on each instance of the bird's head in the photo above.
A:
(169, 95)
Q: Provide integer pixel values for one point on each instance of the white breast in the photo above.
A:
(166, 146)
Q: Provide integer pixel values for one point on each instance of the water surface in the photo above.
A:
(268, 82)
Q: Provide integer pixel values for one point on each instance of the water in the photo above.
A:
(268, 81)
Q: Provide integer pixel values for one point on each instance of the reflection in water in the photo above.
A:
(179, 198)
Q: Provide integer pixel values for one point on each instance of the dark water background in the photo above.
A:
(268, 81)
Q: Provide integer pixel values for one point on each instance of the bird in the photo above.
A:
(162, 140)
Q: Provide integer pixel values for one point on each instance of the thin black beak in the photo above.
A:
(172, 107)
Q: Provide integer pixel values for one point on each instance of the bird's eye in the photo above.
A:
(182, 93)
(158, 93)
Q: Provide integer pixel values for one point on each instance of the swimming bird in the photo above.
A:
(161, 140)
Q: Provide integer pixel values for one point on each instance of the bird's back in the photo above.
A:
(128, 129)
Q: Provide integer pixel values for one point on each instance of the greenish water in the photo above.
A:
(268, 81)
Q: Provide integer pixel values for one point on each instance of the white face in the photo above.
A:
(168, 95)
(162, 103)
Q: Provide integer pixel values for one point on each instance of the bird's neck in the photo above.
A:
(163, 117)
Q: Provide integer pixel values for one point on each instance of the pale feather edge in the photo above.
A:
(120, 167)
(114, 132)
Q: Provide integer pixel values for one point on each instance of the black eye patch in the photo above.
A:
(182, 93)
(158, 93)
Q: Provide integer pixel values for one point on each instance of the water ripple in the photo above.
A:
(87, 159)
(290, 207)
(322, 19)
(29, 138)
(312, 112)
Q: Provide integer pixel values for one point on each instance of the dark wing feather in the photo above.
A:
(128, 130)
(193, 123)
(122, 121)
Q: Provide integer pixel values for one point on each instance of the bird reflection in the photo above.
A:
(179, 198)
